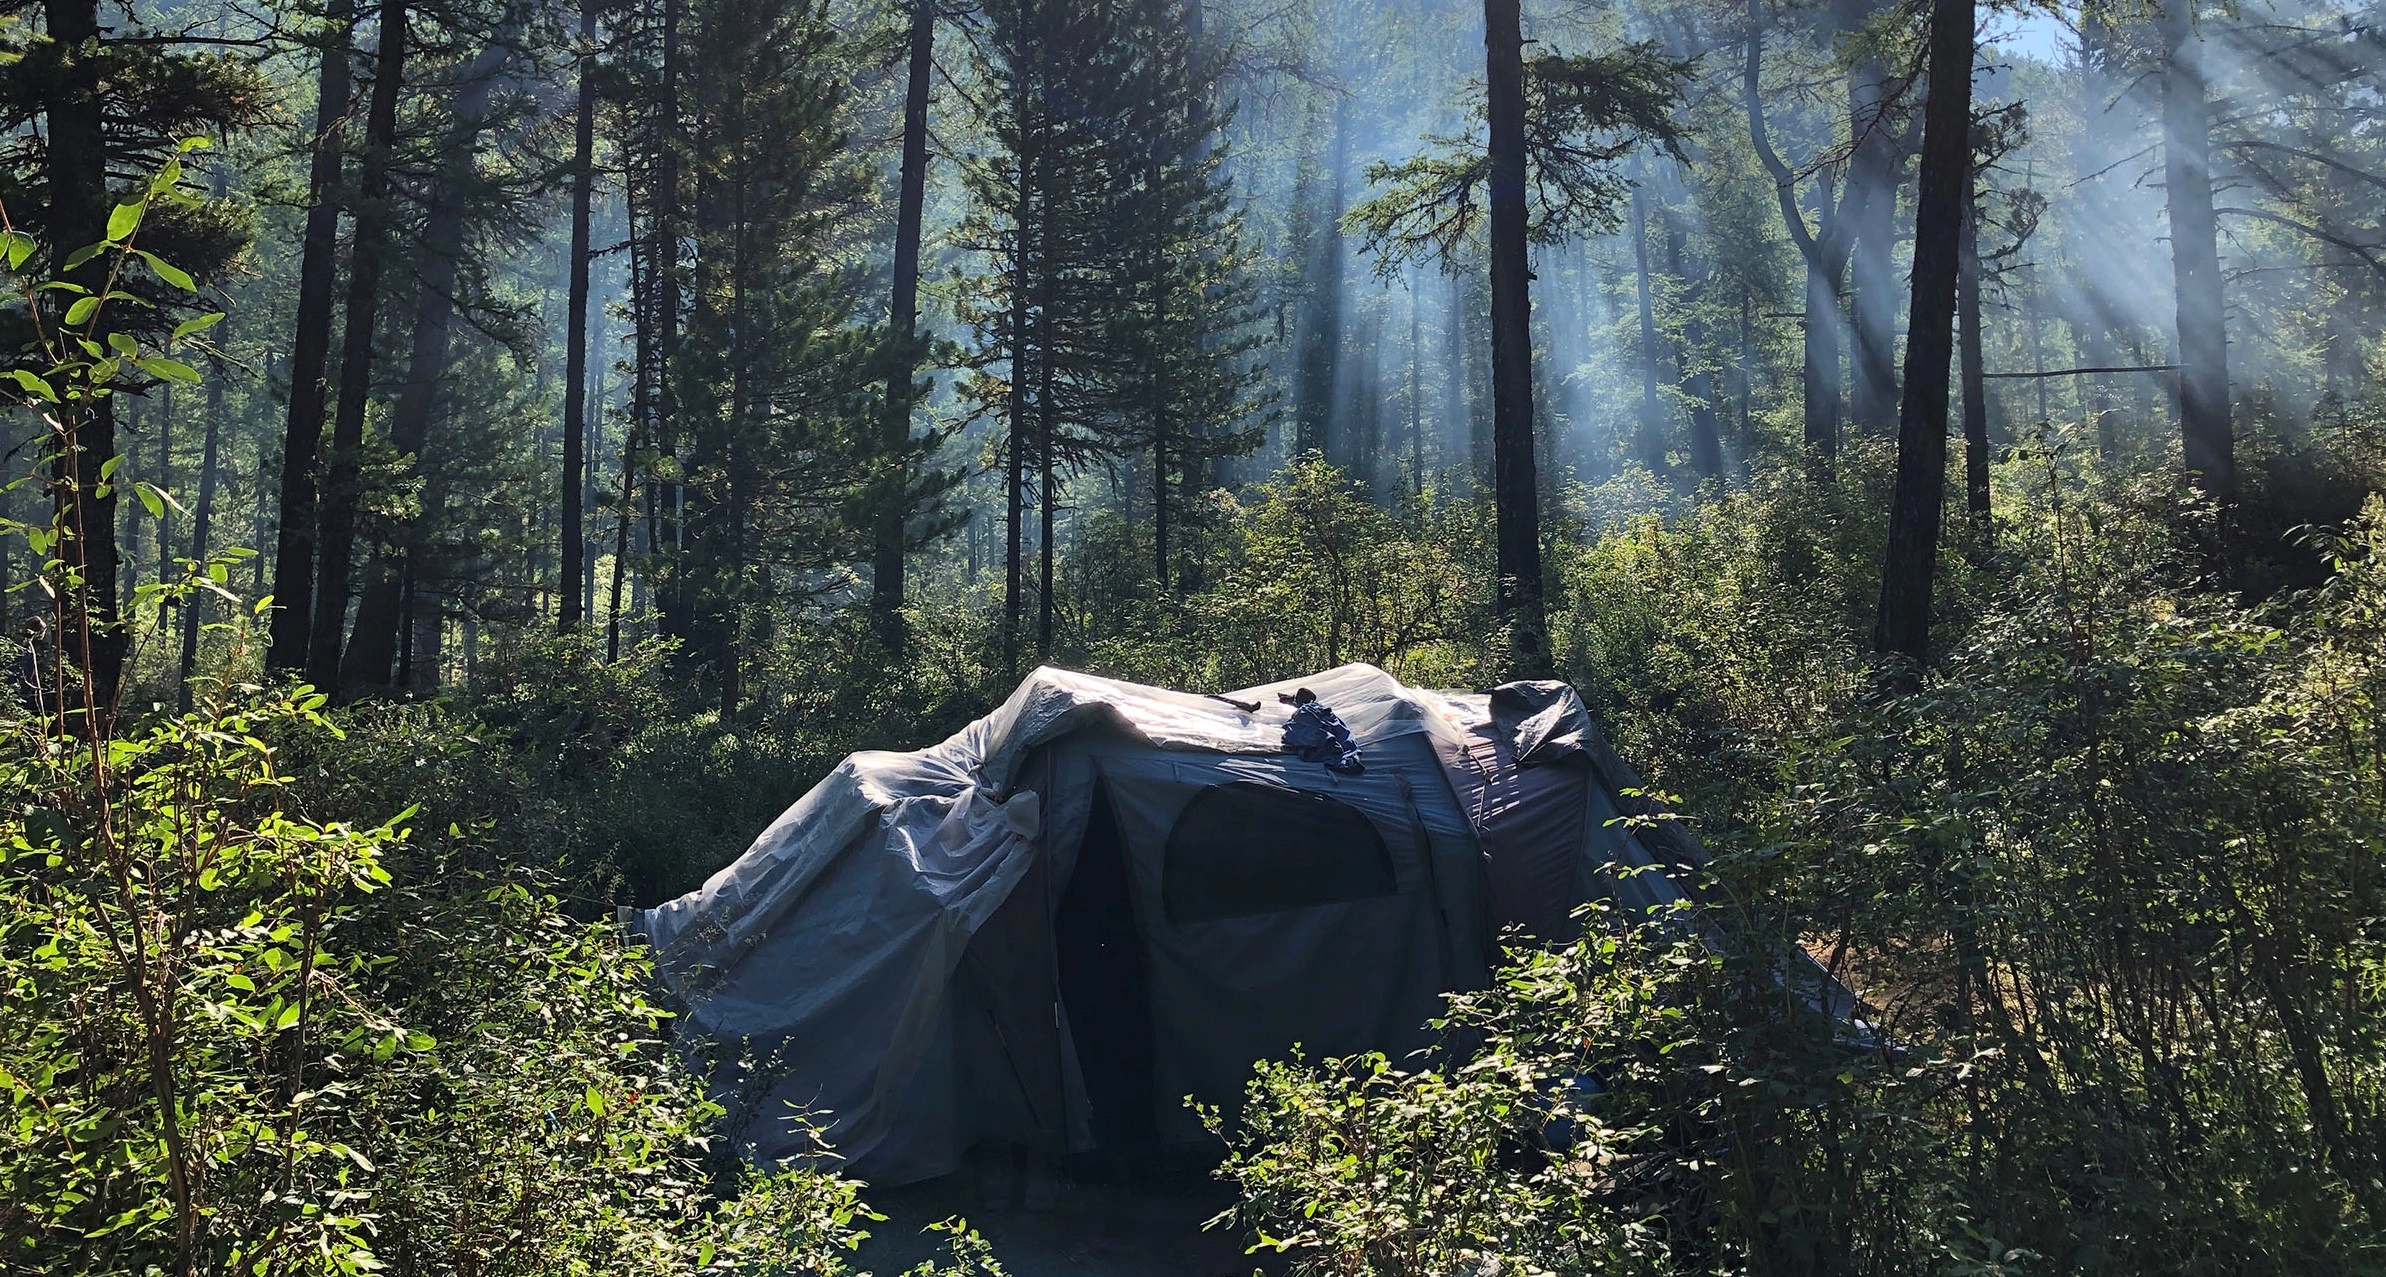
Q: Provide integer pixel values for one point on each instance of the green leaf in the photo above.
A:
(18, 245)
(123, 345)
(82, 310)
(596, 1102)
(241, 982)
(150, 501)
(33, 384)
(82, 255)
(169, 370)
(197, 324)
(168, 272)
(125, 220)
(288, 1017)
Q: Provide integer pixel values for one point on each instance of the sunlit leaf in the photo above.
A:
(125, 220)
(168, 272)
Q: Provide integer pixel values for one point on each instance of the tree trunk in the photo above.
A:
(1648, 443)
(1014, 597)
(165, 478)
(1515, 485)
(1416, 397)
(621, 553)
(1822, 248)
(194, 606)
(1975, 384)
(575, 349)
(1875, 172)
(2207, 444)
(338, 528)
(76, 168)
(310, 350)
(1904, 624)
(1046, 420)
(373, 643)
(1698, 389)
(886, 575)
(1320, 366)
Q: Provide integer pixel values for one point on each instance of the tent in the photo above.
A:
(1104, 897)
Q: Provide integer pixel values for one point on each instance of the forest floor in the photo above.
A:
(1148, 1228)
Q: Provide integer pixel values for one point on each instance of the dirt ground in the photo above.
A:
(1058, 1226)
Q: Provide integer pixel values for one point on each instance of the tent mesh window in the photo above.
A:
(1247, 848)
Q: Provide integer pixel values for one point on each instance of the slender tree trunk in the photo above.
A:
(575, 349)
(1914, 516)
(75, 166)
(310, 351)
(1822, 248)
(621, 548)
(886, 577)
(1320, 367)
(194, 607)
(1975, 383)
(1161, 443)
(666, 534)
(1698, 389)
(1515, 485)
(1649, 442)
(1047, 421)
(338, 529)
(592, 487)
(128, 523)
(373, 642)
(1416, 396)
(165, 478)
(2206, 433)
(1014, 599)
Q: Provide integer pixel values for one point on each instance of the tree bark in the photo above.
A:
(1648, 442)
(1875, 172)
(1903, 628)
(2208, 446)
(1515, 483)
(1047, 421)
(1416, 397)
(1014, 598)
(310, 351)
(1975, 384)
(165, 478)
(1823, 248)
(572, 492)
(75, 166)
(903, 311)
(194, 606)
(337, 535)
(373, 643)
(1321, 321)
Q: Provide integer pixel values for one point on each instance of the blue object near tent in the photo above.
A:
(1317, 734)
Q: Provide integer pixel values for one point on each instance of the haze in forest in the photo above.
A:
(477, 466)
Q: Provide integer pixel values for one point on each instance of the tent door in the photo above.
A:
(1105, 988)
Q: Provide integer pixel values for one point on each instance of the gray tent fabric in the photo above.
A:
(888, 956)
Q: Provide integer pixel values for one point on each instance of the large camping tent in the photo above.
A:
(1104, 897)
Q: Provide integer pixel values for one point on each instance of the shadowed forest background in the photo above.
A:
(526, 445)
